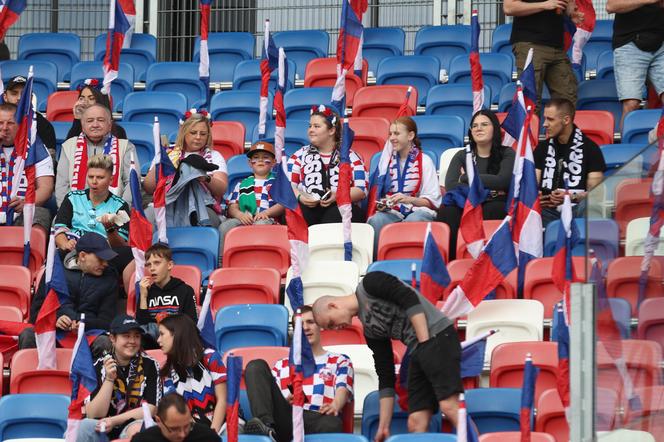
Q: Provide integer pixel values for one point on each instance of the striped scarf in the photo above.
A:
(7, 180)
(79, 178)
(128, 394)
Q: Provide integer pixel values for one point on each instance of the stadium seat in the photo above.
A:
(141, 135)
(239, 285)
(626, 157)
(242, 437)
(258, 246)
(322, 72)
(351, 335)
(538, 283)
(378, 43)
(622, 280)
(326, 243)
(45, 80)
(453, 99)
(11, 247)
(444, 162)
(191, 275)
(383, 101)
(632, 201)
(61, 48)
(226, 50)
(621, 310)
(443, 42)
(269, 354)
(371, 414)
(602, 236)
(600, 41)
(298, 102)
(457, 270)
(651, 320)
(249, 325)
(641, 359)
(120, 87)
(15, 286)
(334, 437)
(517, 319)
(401, 268)
(59, 107)
(321, 278)
(423, 437)
(551, 415)
(596, 124)
(9, 312)
(228, 138)
(302, 46)
(242, 106)
(247, 76)
(177, 76)
(195, 246)
(496, 72)
(534, 123)
(419, 71)
(61, 129)
(168, 106)
(647, 416)
(406, 240)
(489, 226)
(600, 95)
(604, 70)
(440, 132)
(635, 237)
(158, 355)
(25, 378)
(140, 55)
(515, 436)
(295, 135)
(500, 39)
(33, 416)
(238, 169)
(370, 136)
(637, 125)
(494, 409)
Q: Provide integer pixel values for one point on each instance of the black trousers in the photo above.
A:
(268, 404)
(329, 214)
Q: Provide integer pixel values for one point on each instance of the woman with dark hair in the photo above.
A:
(314, 171)
(89, 94)
(195, 373)
(414, 193)
(494, 165)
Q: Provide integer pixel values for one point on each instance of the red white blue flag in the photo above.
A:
(269, 62)
(516, 115)
(343, 189)
(563, 266)
(118, 26)
(530, 373)
(472, 219)
(303, 366)
(560, 334)
(163, 173)
(584, 30)
(433, 276)
(140, 229)
(493, 265)
(203, 53)
(465, 428)
(10, 11)
(475, 66)
(206, 321)
(280, 110)
(129, 9)
(348, 45)
(234, 370)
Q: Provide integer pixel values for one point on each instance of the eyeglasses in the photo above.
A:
(478, 125)
(185, 429)
(92, 222)
(261, 160)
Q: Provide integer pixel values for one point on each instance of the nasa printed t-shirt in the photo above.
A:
(175, 297)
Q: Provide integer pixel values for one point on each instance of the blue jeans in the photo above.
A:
(632, 66)
(381, 219)
(87, 432)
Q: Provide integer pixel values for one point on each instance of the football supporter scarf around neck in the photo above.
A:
(247, 195)
(412, 166)
(128, 396)
(558, 169)
(79, 178)
(7, 170)
(318, 175)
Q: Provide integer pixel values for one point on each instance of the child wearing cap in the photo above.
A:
(250, 203)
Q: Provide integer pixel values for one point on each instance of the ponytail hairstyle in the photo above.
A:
(410, 126)
(496, 155)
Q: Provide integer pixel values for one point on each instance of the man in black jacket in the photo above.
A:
(93, 290)
(389, 309)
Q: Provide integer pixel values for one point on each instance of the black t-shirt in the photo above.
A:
(574, 160)
(648, 21)
(199, 433)
(545, 28)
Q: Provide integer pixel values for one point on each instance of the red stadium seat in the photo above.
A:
(538, 284)
(15, 288)
(60, 106)
(228, 138)
(10, 312)
(322, 72)
(25, 378)
(458, 268)
(489, 227)
(596, 124)
(641, 359)
(370, 136)
(157, 355)
(622, 280)
(244, 286)
(651, 320)
(551, 416)
(534, 124)
(269, 354)
(507, 361)
(383, 101)
(632, 201)
(406, 240)
(258, 246)
(11, 247)
(515, 436)
(351, 335)
(648, 416)
(191, 275)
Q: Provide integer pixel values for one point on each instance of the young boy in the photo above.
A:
(250, 203)
(162, 293)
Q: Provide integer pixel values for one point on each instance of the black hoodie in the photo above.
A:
(175, 297)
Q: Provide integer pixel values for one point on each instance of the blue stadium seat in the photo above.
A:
(401, 268)
(603, 30)
(500, 39)
(371, 412)
(440, 132)
(141, 135)
(226, 50)
(298, 102)
(294, 138)
(168, 106)
(637, 125)
(605, 66)
(443, 42)
(617, 155)
(621, 310)
(453, 99)
(247, 76)
(176, 76)
(302, 46)
(423, 437)
(250, 325)
(599, 95)
(195, 246)
(248, 438)
(61, 129)
(242, 106)
(140, 55)
(238, 169)
(494, 409)
(419, 71)
(603, 238)
(61, 48)
(120, 87)
(33, 416)
(379, 43)
(496, 71)
(45, 80)
(335, 437)
(600, 41)
(507, 95)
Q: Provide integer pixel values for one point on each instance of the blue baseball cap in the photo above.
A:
(92, 242)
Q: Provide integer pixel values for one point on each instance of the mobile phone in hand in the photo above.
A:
(326, 195)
